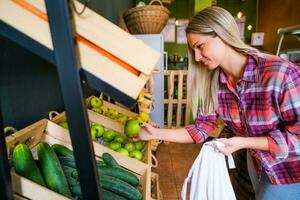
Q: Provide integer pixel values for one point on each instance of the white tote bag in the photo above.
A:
(209, 176)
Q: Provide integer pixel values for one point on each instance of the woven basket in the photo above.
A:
(150, 19)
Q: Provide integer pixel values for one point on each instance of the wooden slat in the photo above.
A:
(175, 101)
(182, 89)
(175, 72)
(101, 66)
(170, 97)
(179, 97)
(187, 112)
(87, 25)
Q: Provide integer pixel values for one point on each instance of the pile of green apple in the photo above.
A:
(98, 107)
(116, 141)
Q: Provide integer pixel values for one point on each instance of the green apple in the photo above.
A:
(123, 151)
(96, 102)
(97, 110)
(98, 128)
(129, 146)
(132, 128)
(109, 135)
(120, 139)
(136, 155)
(139, 145)
(144, 117)
(114, 145)
(104, 110)
(122, 119)
(64, 124)
(137, 118)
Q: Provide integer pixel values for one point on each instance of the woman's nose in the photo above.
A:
(198, 56)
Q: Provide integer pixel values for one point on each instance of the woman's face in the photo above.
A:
(209, 50)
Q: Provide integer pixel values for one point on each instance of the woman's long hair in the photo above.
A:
(203, 84)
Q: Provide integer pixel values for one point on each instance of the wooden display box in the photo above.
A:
(109, 105)
(105, 50)
(47, 131)
(110, 124)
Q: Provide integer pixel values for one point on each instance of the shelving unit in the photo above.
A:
(64, 55)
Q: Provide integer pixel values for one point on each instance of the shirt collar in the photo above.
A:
(251, 73)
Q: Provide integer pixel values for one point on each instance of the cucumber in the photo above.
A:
(67, 161)
(25, 165)
(52, 170)
(120, 174)
(108, 195)
(70, 162)
(119, 187)
(68, 171)
(114, 172)
(109, 160)
(76, 190)
(61, 150)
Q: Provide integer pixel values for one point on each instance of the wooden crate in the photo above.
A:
(110, 124)
(125, 69)
(176, 78)
(121, 109)
(155, 189)
(47, 131)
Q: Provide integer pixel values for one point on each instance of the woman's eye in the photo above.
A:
(199, 46)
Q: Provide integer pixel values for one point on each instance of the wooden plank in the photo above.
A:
(175, 101)
(26, 23)
(179, 97)
(92, 61)
(33, 190)
(187, 111)
(87, 25)
(170, 98)
(110, 72)
(175, 72)
(18, 197)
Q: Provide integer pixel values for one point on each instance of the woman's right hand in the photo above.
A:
(147, 132)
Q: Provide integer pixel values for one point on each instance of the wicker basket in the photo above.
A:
(150, 19)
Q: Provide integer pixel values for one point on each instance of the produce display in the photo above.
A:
(119, 142)
(57, 171)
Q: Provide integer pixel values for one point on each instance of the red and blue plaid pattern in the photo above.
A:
(265, 102)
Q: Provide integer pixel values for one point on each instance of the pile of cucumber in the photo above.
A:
(56, 169)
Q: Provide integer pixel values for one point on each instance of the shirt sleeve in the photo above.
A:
(203, 127)
(286, 143)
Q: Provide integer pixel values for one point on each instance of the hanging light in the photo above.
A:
(239, 14)
(249, 27)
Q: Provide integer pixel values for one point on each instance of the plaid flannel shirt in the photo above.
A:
(265, 102)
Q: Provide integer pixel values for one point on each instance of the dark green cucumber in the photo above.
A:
(61, 150)
(120, 174)
(70, 161)
(67, 161)
(76, 190)
(119, 187)
(109, 160)
(52, 170)
(108, 195)
(114, 172)
(25, 165)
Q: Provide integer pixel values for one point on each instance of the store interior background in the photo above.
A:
(35, 90)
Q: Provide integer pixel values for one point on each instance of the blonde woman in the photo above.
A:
(257, 95)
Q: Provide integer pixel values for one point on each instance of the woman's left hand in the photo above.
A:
(231, 145)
